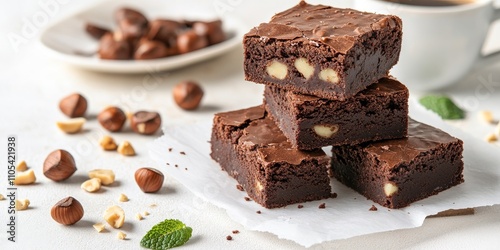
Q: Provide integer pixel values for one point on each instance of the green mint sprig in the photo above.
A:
(167, 234)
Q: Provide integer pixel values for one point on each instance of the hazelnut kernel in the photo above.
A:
(277, 70)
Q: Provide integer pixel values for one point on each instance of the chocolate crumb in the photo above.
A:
(322, 206)
(373, 208)
(236, 232)
(239, 187)
(176, 165)
(182, 153)
(170, 149)
(300, 206)
(334, 195)
(168, 164)
(259, 212)
(247, 199)
(186, 169)
(229, 237)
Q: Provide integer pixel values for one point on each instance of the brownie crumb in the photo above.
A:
(229, 237)
(259, 212)
(247, 199)
(322, 206)
(170, 149)
(300, 206)
(236, 232)
(176, 165)
(182, 153)
(168, 164)
(334, 195)
(186, 169)
(373, 208)
(239, 187)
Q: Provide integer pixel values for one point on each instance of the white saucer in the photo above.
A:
(68, 41)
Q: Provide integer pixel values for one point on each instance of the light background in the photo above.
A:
(32, 84)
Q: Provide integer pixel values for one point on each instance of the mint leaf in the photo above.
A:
(167, 234)
(443, 106)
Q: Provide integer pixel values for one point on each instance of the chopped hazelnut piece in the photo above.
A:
(491, 138)
(25, 178)
(99, 227)
(92, 185)
(123, 198)
(22, 204)
(138, 216)
(121, 235)
(126, 149)
(21, 166)
(108, 143)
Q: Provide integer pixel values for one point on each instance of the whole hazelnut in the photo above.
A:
(150, 50)
(191, 41)
(112, 119)
(212, 30)
(144, 122)
(67, 211)
(149, 180)
(74, 105)
(164, 30)
(132, 23)
(95, 31)
(188, 95)
(59, 165)
(113, 47)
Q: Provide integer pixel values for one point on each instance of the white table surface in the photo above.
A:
(31, 86)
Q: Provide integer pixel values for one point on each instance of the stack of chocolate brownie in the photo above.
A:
(327, 84)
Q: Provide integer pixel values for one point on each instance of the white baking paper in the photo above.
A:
(347, 215)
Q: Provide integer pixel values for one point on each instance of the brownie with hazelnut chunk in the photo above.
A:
(377, 113)
(250, 148)
(395, 173)
(323, 51)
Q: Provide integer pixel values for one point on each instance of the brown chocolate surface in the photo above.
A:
(338, 28)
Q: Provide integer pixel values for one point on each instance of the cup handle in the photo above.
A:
(487, 60)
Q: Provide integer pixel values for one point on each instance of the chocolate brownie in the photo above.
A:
(395, 173)
(323, 51)
(377, 113)
(251, 148)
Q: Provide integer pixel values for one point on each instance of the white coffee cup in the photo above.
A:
(440, 44)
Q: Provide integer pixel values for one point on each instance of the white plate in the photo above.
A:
(68, 41)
